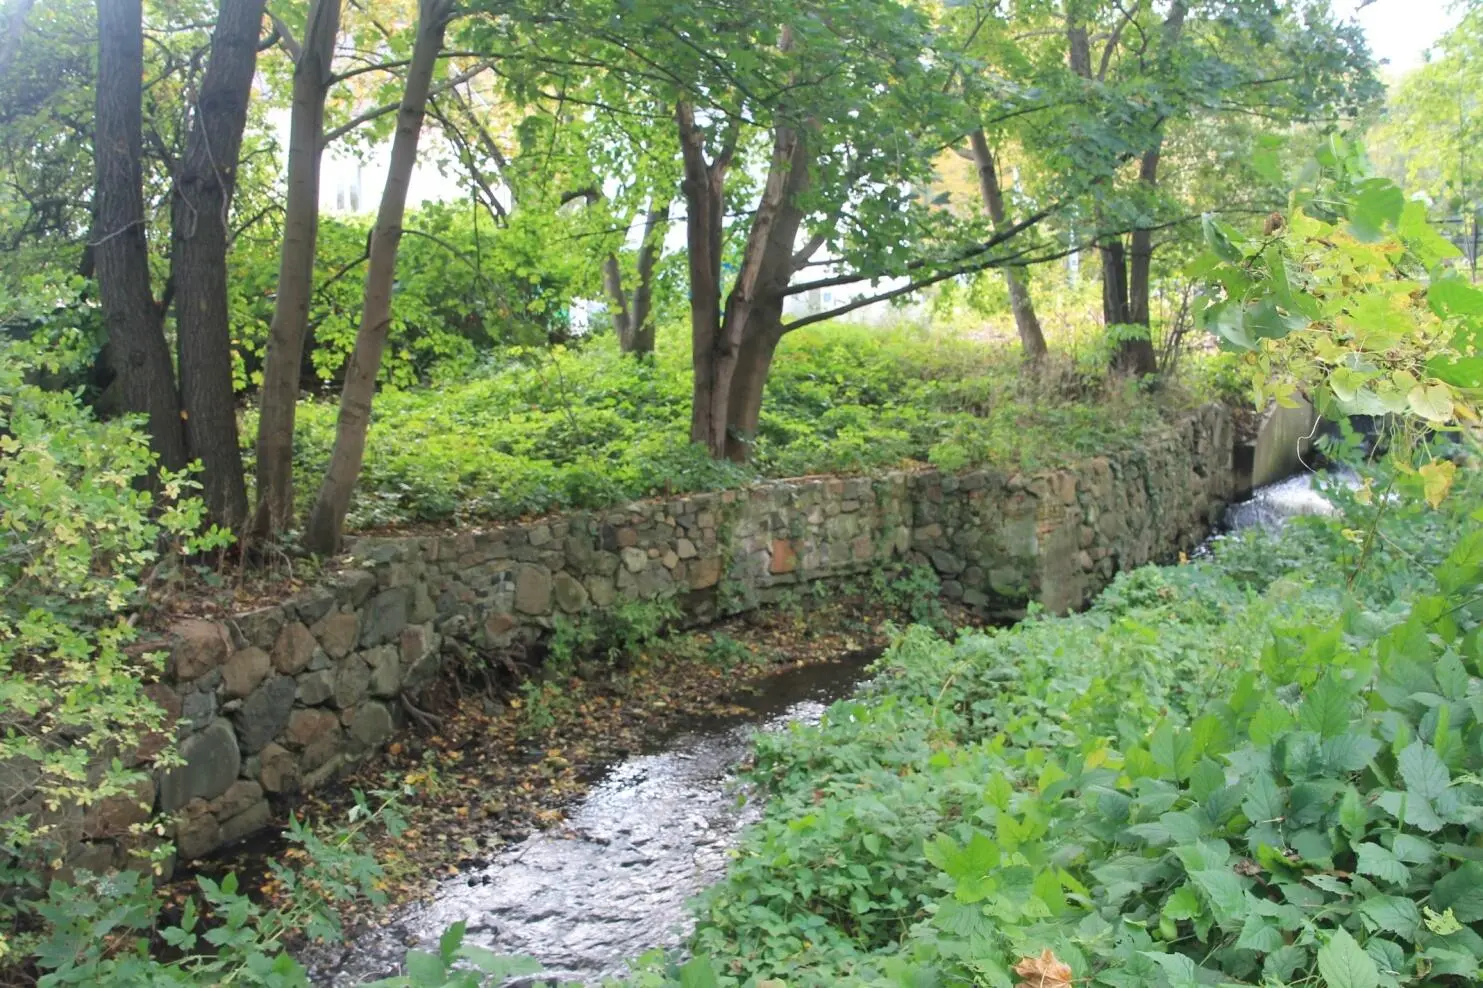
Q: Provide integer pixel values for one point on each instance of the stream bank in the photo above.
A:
(611, 882)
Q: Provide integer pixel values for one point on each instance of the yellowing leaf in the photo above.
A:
(1436, 479)
(1432, 402)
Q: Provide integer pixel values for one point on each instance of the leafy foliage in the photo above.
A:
(1148, 790)
(587, 428)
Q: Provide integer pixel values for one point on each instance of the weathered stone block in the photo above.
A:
(352, 679)
(199, 646)
(279, 772)
(293, 650)
(337, 633)
(212, 761)
(532, 589)
(783, 558)
(265, 713)
(316, 687)
(238, 797)
(386, 671)
(244, 824)
(570, 595)
(385, 616)
(244, 671)
(308, 724)
(634, 560)
(372, 724)
(705, 572)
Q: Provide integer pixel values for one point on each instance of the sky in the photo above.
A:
(1400, 30)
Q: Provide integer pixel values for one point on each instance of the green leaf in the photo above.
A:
(1423, 771)
(1461, 891)
(1225, 893)
(1378, 862)
(1325, 707)
(1379, 202)
(1393, 914)
(1344, 964)
(450, 941)
(426, 970)
(1220, 238)
(1178, 969)
(1432, 402)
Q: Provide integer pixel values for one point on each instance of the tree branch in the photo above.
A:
(334, 134)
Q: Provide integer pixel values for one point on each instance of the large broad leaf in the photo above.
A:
(1379, 862)
(1392, 914)
(1221, 239)
(1462, 892)
(1423, 771)
(1225, 893)
(1344, 964)
(1452, 296)
(1380, 201)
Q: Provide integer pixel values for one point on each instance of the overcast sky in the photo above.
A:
(1400, 30)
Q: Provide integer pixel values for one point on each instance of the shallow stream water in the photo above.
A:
(612, 881)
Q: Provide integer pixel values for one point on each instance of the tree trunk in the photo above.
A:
(278, 399)
(744, 410)
(703, 187)
(640, 316)
(612, 283)
(1032, 339)
(1114, 281)
(199, 207)
(327, 519)
(136, 339)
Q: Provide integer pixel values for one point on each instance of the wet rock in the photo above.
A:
(244, 671)
(265, 713)
(197, 834)
(198, 708)
(114, 816)
(294, 649)
(212, 761)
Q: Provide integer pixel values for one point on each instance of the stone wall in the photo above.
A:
(277, 700)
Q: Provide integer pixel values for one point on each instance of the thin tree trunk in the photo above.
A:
(744, 409)
(640, 315)
(327, 519)
(199, 208)
(612, 283)
(139, 355)
(1114, 281)
(1032, 339)
(278, 399)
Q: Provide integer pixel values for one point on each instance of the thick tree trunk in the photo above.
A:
(744, 410)
(140, 357)
(199, 207)
(327, 519)
(284, 358)
(1032, 339)
(703, 187)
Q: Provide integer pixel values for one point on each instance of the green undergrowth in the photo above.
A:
(546, 430)
(1261, 768)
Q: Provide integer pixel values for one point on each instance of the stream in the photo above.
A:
(612, 880)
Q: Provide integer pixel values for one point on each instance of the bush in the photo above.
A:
(1149, 791)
